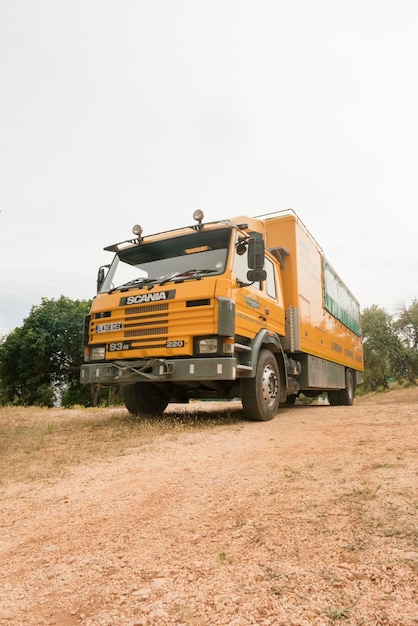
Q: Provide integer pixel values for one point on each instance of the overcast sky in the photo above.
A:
(113, 113)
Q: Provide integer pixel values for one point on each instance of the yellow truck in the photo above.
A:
(245, 308)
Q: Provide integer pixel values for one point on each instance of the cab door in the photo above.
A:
(273, 313)
(259, 305)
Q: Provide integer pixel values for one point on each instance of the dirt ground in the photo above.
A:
(310, 519)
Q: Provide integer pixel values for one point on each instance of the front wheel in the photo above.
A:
(260, 395)
(144, 399)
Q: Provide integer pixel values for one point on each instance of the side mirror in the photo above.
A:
(256, 254)
(101, 275)
(256, 276)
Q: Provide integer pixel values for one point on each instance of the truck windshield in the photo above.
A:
(190, 256)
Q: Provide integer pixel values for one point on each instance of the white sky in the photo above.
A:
(113, 113)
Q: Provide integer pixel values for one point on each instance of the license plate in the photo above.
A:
(107, 328)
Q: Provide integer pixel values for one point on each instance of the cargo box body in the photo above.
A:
(322, 316)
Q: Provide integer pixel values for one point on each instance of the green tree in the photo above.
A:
(42, 358)
(381, 344)
(406, 325)
(390, 344)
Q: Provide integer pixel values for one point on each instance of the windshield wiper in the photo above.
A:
(186, 274)
(133, 283)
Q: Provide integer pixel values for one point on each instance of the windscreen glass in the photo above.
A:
(176, 259)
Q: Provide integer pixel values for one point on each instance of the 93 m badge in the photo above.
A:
(178, 343)
(119, 346)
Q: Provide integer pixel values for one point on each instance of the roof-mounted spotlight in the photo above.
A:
(137, 230)
(198, 216)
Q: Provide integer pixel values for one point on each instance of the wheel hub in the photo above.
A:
(270, 386)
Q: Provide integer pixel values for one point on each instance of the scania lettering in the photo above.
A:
(253, 309)
(147, 297)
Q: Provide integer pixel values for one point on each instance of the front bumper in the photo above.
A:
(159, 370)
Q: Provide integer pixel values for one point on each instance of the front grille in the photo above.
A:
(153, 325)
(141, 332)
(147, 321)
(135, 318)
(147, 308)
(146, 343)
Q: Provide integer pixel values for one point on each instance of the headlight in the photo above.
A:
(208, 345)
(97, 353)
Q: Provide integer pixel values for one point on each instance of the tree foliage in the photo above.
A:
(42, 358)
(406, 325)
(390, 344)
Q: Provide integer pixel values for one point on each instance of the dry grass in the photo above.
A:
(40, 443)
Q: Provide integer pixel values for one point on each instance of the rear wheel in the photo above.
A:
(344, 396)
(347, 394)
(144, 399)
(334, 398)
(260, 395)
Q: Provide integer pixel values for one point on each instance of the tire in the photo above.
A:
(347, 395)
(334, 398)
(260, 395)
(343, 396)
(144, 399)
